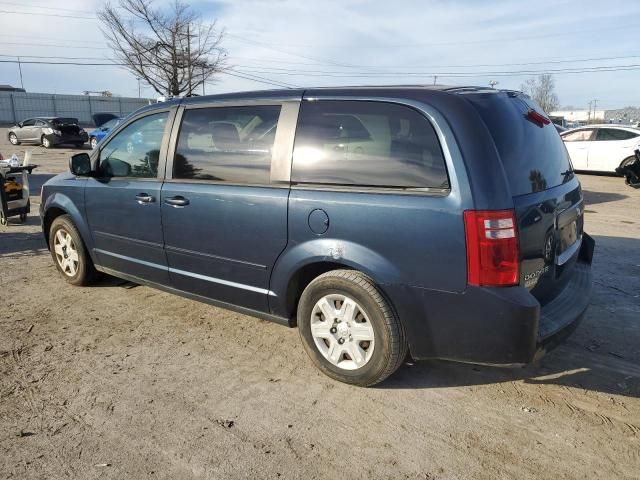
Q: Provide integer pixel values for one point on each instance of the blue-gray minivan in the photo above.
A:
(383, 222)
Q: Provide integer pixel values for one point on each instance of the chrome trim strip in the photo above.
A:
(565, 256)
(222, 282)
(130, 259)
(127, 239)
(184, 251)
(227, 283)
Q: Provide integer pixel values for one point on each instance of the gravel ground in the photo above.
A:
(121, 381)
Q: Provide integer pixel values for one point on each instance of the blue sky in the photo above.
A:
(347, 42)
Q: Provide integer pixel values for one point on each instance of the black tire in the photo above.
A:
(390, 347)
(45, 142)
(85, 272)
(13, 139)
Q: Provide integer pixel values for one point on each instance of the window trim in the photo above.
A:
(95, 156)
(280, 168)
(420, 108)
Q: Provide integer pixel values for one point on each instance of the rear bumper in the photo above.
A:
(498, 326)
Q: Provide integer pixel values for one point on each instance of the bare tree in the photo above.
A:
(174, 51)
(542, 90)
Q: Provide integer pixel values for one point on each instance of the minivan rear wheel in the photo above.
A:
(69, 253)
(349, 329)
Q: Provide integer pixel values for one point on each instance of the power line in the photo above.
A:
(51, 45)
(58, 9)
(12, 12)
(550, 62)
(266, 82)
(608, 68)
(439, 44)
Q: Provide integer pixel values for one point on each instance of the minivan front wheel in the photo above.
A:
(349, 329)
(69, 253)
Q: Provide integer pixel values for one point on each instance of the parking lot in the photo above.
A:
(123, 381)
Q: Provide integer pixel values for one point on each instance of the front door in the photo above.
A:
(224, 221)
(123, 199)
(578, 143)
(27, 132)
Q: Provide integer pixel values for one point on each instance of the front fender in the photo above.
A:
(326, 250)
(64, 202)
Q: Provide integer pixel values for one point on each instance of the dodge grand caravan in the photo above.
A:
(381, 221)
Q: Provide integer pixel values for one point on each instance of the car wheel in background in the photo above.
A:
(13, 139)
(69, 253)
(93, 142)
(349, 330)
(46, 143)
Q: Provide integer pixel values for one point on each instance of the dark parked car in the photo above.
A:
(48, 132)
(443, 222)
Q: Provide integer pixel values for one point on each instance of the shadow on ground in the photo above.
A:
(593, 198)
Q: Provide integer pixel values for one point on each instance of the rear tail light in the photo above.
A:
(492, 248)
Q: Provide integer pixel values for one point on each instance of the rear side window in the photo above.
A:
(578, 136)
(364, 143)
(613, 134)
(533, 155)
(227, 144)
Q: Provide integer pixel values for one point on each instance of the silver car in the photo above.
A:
(48, 132)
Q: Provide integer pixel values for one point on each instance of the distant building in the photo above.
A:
(580, 116)
(9, 88)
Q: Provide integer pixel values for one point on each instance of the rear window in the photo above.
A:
(534, 157)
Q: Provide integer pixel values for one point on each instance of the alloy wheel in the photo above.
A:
(13, 139)
(66, 252)
(342, 332)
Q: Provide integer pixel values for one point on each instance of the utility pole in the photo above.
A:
(589, 114)
(435, 79)
(138, 78)
(595, 104)
(20, 69)
(493, 83)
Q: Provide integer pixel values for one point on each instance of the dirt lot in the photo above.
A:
(117, 381)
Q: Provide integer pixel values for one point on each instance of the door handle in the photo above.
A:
(143, 198)
(178, 201)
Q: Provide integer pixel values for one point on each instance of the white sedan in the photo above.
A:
(601, 148)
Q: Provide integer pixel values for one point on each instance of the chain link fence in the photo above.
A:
(18, 106)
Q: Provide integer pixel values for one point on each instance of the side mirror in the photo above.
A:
(20, 124)
(80, 164)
